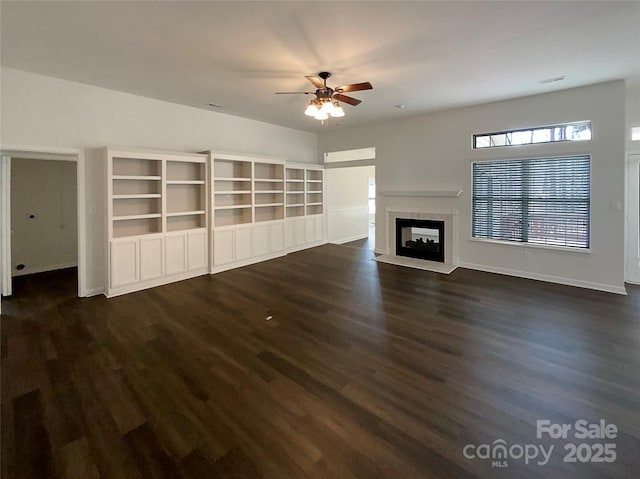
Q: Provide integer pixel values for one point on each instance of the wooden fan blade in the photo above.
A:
(317, 81)
(295, 92)
(346, 99)
(355, 87)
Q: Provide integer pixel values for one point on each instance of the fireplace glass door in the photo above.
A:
(422, 239)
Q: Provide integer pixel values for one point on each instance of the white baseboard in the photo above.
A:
(93, 292)
(246, 262)
(44, 269)
(132, 288)
(300, 247)
(352, 238)
(609, 288)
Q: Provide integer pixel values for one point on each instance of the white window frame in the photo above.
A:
(568, 249)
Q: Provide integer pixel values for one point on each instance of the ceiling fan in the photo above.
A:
(325, 103)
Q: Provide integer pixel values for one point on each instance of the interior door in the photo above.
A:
(633, 219)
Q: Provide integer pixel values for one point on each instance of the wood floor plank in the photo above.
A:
(32, 447)
(364, 370)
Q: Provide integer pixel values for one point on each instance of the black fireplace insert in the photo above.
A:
(422, 239)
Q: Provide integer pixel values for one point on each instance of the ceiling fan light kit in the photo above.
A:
(326, 103)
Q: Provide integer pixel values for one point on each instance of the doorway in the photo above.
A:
(351, 205)
(40, 198)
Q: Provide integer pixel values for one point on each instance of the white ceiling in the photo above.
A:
(425, 55)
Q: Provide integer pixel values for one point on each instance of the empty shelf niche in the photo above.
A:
(269, 213)
(313, 198)
(232, 198)
(186, 222)
(293, 211)
(295, 198)
(136, 227)
(185, 172)
(229, 169)
(293, 187)
(136, 187)
(269, 171)
(264, 198)
(135, 206)
(295, 175)
(232, 216)
(184, 198)
(314, 209)
(137, 167)
(236, 187)
(314, 175)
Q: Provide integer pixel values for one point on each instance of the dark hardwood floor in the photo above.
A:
(364, 370)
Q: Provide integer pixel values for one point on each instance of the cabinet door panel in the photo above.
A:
(289, 233)
(319, 228)
(124, 263)
(299, 228)
(176, 253)
(151, 264)
(309, 227)
(276, 237)
(243, 243)
(223, 246)
(197, 249)
(260, 240)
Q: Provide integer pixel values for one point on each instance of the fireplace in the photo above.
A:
(422, 239)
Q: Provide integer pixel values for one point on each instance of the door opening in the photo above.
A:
(39, 218)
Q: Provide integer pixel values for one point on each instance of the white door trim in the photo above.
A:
(5, 225)
(65, 154)
(632, 223)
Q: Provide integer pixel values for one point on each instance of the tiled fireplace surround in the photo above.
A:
(450, 218)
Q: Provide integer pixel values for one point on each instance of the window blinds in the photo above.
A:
(542, 201)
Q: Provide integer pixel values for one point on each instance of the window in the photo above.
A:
(541, 201)
(576, 131)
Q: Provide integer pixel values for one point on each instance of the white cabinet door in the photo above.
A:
(197, 249)
(151, 258)
(124, 262)
(223, 246)
(319, 228)
(299, 229)
(176, 253)
(260, 240)
(309, 227)
(243, 243)
(289, 233)
(276, 237)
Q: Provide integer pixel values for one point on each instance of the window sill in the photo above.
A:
(559, 249)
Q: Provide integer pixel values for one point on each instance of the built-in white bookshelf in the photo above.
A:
(314, 192)
(136, 196)
(232, 191)
(268, 182)
(294, 198)
(186, 194)
(248, 204)
(157, 215)
(304, 191)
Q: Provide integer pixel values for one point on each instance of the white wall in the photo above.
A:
(434, 152)
(47, 190)
(45, 112)
(348, 203)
